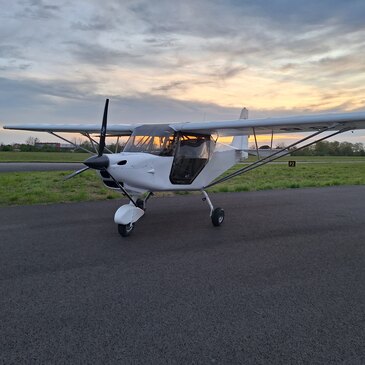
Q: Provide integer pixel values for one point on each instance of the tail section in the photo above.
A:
(241, 142)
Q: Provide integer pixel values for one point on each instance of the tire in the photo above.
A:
(217, 217)
(140, 204)
(125, 229)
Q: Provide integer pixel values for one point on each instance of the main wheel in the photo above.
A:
(217, 217)
(125, 229)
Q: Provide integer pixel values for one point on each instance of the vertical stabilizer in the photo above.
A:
(241, 142)
(244, 113)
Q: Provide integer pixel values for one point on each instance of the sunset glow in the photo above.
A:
(179, 61)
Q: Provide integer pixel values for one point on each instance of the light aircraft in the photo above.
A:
(187, 156)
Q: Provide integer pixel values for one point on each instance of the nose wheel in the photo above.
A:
(125, 229)
(127, 215)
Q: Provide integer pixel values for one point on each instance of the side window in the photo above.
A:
(194, 146)
(192, 154)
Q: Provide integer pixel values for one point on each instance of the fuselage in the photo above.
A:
(160, 159)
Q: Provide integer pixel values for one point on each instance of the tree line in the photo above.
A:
(324, 148)
(335, 148)
(33, 145)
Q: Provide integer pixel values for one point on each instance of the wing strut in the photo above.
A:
(272, 139)
(74, 144)
(120, 186)
(279, 154)
(117, 145)
(94, 143)
(257, 146)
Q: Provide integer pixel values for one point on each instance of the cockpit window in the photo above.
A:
(157, 145)
(192, 154)
(194, 146)
(156, 139)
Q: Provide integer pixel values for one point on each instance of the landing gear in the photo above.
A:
(217, 217)
(217, 214)
(140, 204)
(125, 229)
(127, 215)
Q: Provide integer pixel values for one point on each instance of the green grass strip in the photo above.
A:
(24, 188)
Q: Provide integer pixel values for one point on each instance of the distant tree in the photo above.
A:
(358, 149)
(321, 149)
(26, 147)
(6, 148)
(335, 148)
(31, 141)
(280, 146)
(345, 149)
(84, 144)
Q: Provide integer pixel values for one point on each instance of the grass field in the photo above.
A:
(316, 158)
(23, 188)
(302, 176)
(48, 187)
(79, 157)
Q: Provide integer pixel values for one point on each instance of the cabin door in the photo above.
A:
(191, 155)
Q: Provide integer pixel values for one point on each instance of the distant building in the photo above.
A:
(54, 145)
(67, 146)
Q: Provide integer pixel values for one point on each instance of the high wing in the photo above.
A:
(302, 123)
(112, 130)
(292, 124)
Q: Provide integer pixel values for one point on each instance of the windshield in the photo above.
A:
(156, 139)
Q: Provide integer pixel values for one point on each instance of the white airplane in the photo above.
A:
(187, 156)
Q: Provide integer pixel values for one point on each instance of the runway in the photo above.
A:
(281, 281)
(39, 166)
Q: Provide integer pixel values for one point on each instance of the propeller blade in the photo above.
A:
(76, 173)
(103, 129)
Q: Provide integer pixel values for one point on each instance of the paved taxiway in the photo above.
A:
(39, 166)
(282, 281)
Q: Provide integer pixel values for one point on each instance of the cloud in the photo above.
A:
(279, 57)
(97, 23)
(171, 85)
(37, 9)
(229, 71)
(10, 51)
(97, 54)
(29, 92)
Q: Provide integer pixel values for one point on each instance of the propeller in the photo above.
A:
(97, 162)
(76, 173)
(100, 161)
(103, 129)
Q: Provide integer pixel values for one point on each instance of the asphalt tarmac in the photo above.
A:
(39, 166)
(282, 281)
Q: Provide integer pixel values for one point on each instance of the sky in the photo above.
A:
(175, 61)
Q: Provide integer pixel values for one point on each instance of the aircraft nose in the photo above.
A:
(97, 162)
